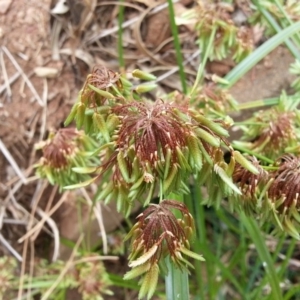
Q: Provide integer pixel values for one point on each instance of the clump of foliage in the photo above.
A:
(150, 148)
(134, 149)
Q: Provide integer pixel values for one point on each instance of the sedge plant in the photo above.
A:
(134, 149)
(144, 149)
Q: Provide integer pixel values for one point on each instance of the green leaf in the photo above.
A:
(149, 282)
(244, 162)
(84, 170)
(192, 254)
(80, 184)
(142, 259)
(242, 68)
(221, 172)
(264, 254)
(102, 93)
(137, 271)
(143, 75)
(72, 114)
(144, 88)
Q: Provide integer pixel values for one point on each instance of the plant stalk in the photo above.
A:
(177, 281)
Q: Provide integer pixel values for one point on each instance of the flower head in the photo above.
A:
(277, 133)
(153, 127)
(245, 43)
(284, 194)
(62, 151)
(158, 142)
(213, 98)
(102, 79)
(251, 185)
(86, 273)
(159, 233)
(229, 40)
(8, 270)
(286, 184)
(272, 132)
(93, 279)
(218, 16)
(60, 147)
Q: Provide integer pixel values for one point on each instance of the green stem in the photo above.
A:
(207, 52)
(289, 20)
(277, 28)
(202, 241)
(177, 46)
(242, 149)
(193, 205)
(120, 35)
(258, 103)
(177, 281)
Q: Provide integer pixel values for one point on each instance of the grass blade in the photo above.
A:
(177, 46)
(263, 252)
(242, 68)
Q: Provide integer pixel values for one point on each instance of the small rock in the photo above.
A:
(46, 72)
(4, 6)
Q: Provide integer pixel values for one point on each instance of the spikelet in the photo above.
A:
(80, 116)
(123, 166)
(194, 151)
(72, 114)
(99, 124)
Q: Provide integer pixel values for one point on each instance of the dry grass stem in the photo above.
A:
(26, 79)
(11, 80)
(44, 114)
(7, 245)
(4, 72)
(16, 179)
(95, 258)
(175, 69)
(292, 262)
(155, 8)
(31, 270)
(55, 231)
(98, 214)
(55, 32)
(12, 162)
(63, 272)
(41, 223)
(22, 272)
(14, 222)
(138, 38)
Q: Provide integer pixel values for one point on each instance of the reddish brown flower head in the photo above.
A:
(101, 78)
(153, 127)
(245, 37)
(57, 151)
(212, 96)
(159, 234)
(278, 132)
(157, 226)
(286, 184)
(248, 181)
